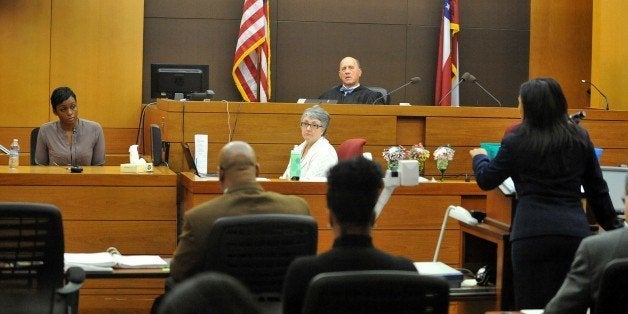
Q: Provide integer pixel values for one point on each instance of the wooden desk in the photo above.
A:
(101, 207)
(488, 243)
(144, 284)
(409, 224)
(272, 129)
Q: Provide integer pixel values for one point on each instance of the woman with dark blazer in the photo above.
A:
(552, 162)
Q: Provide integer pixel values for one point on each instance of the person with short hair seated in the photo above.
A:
(351, 91)
(353, 187)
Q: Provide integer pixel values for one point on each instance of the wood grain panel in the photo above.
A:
(101, 203)
(25, 63)
(416, 211)
(130, 237)
(608, 134)
(554, 52)
(419, 245)
(114, 60)
(460, 131)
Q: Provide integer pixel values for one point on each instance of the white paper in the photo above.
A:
(94, 261)
(200, 153)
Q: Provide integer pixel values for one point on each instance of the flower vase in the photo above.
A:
(441, 165)
(393, 165)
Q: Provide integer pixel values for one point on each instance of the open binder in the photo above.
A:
(106, 261)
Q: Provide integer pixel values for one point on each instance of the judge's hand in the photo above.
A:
(477, 151)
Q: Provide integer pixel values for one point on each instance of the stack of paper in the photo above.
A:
(453, 276)
(108, 260)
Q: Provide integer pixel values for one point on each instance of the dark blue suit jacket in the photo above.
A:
(549, 197)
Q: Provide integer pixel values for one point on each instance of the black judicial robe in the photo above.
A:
(360, 95)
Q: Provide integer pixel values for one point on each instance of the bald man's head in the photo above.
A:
(237, 163)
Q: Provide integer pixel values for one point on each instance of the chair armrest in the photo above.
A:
(74, 277)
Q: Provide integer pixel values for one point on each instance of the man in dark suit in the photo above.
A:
(350, 91)
(237, 173)
(580, 289)
(353, 186)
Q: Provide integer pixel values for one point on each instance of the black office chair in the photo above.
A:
(31, 261)
(257, 250)
(613, 288)
(34, 134)
(209, 292)
(382, 91)
(376, 291)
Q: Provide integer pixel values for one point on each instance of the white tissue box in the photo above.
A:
(136, 168)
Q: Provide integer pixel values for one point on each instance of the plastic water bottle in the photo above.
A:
(295, 164)
(14, 155)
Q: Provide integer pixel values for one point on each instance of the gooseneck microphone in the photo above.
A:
(472, 79)
(413, 80)
(599, 91)
(465, 77)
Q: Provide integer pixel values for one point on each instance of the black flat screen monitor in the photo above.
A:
(156, 145)
(168, 80)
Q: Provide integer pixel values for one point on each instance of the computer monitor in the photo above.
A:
(176, 81)
(615, 178)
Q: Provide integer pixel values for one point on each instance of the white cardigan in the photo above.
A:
(320, 157)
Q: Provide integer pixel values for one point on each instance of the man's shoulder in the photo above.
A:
(607, 237)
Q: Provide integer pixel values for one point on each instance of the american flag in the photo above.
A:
(251, 63)
(447, 66)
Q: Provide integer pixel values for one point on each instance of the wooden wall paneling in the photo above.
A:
(462, 131)
(609, 50)
(25, 64)
(101, 202)
(128, 236)
(96, 49)
(565, 56)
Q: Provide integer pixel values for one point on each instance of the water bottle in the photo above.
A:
(14, 155)
(295, 164)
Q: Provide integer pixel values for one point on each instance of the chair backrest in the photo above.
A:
(613, 287)
(257, 249)
(376, 291)
(31, 256)
(34, 134)
(209, 292)
(382, 91)
(351, 148)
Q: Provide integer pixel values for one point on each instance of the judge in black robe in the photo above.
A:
(350, 91)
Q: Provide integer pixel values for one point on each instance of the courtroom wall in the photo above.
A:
(394, 40)
(609, 70)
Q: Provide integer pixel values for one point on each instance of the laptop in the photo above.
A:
(316, 101)
(189, 158)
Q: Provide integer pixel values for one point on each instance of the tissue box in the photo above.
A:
(136, 168)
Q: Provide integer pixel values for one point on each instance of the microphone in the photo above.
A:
(577, 117)
(413, 80)
(599, 91)
(472, 79)
(465, 77)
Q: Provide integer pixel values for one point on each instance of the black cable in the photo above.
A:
(235, 124)
(140, 125)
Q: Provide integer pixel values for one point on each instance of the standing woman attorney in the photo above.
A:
(70, 140)
(549, 160)
(317, 154)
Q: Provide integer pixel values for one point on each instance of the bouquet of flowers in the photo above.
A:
(393, 154)
(419, 153)
(443, 155)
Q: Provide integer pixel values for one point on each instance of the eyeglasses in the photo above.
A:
(306, 125)
(72, 107)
